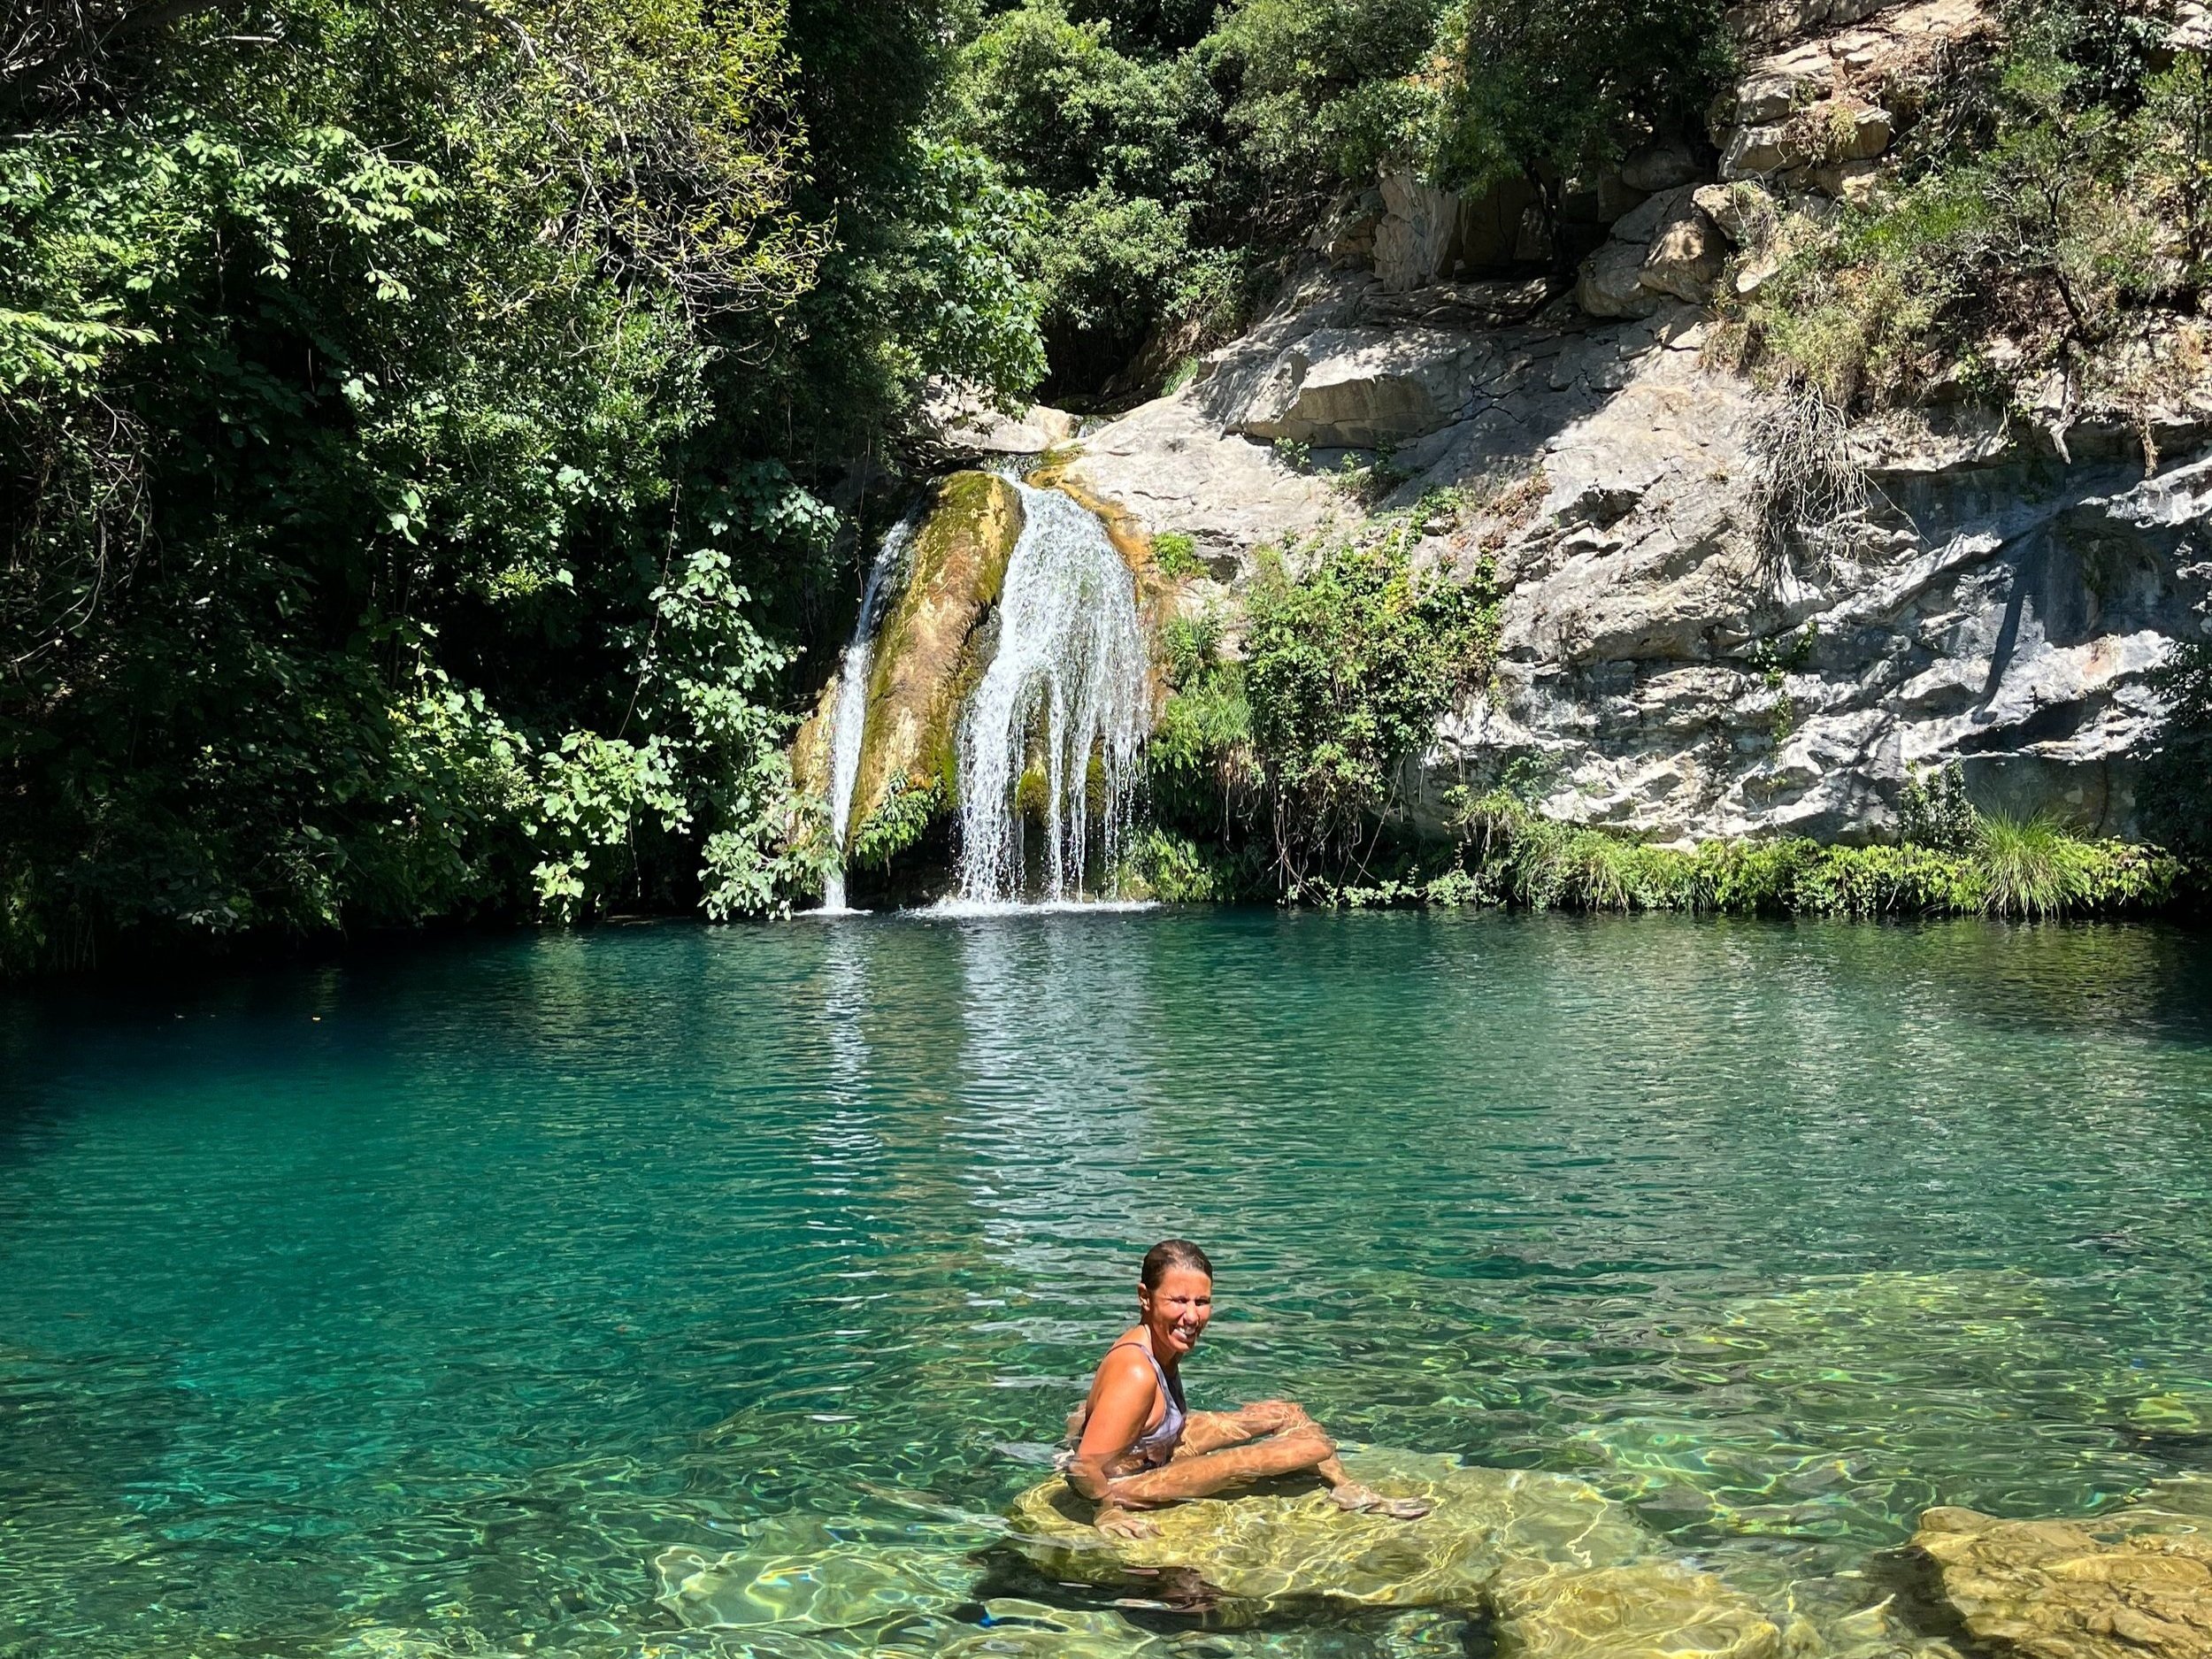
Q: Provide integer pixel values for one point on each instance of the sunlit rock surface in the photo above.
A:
(1557, 1567)
(2094, 1589)
(1635, 1611)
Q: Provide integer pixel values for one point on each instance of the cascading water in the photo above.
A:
(1069, 683)
(848, 723)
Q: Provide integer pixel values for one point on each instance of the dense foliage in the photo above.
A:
(1184, 151)
(414, 433)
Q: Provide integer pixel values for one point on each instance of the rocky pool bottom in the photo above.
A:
(679, 1291)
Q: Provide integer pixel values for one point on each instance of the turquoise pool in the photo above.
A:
(418, 1306)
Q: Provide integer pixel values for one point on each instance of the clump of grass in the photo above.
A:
(2031, 868)
(1810, 486)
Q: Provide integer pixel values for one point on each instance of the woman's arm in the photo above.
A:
(1121, 1406)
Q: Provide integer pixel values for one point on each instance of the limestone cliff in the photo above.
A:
(1679, 657)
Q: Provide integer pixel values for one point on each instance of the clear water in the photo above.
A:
(1068, 687)
(416, 1307)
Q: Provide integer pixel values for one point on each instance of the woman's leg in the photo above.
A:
(1221, 1451)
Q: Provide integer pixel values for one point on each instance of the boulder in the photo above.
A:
(2059, 1590)
(1741, 211)
(1286, 1542)
(1686, 255)
(1660, 164)
(1860, 131)
(1765, 98)
(925, 652)
(1416, 240)
(1643, 222)
(1611, 282)
(1356, 387)
(962, 425)
(1759, 152)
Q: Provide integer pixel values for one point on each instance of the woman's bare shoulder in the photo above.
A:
(1127, 1358)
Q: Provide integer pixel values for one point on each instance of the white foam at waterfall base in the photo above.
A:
(1067, 684)
(848, 722)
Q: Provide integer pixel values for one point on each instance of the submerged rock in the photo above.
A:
(798, 1573)
(1637, 1611)
(1287, 1542)
(2060, 1590)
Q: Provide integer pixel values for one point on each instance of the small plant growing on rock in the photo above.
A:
(1933, 811)
(1177, 555)
(896, 824)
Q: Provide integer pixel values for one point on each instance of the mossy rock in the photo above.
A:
(925, 656)
(1286, 1542)
(811, 746)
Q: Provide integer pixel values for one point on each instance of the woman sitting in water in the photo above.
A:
(1137, 1447)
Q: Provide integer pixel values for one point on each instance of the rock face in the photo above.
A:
(2058, 1590)
(1422, 234)
(1666, 664)
(962, 426)
(1679, 656)
(1357, 387)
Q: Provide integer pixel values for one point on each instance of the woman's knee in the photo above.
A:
(1278, 1416)
(1314, 1445)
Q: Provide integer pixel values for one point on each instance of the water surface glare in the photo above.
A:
(416, 1307)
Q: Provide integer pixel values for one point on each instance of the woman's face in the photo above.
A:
(1176, 1310)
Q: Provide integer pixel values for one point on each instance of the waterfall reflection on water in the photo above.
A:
(1067, 690)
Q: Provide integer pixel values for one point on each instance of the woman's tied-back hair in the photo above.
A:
(1172, 1253)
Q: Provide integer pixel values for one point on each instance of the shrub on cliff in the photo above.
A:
(1348, 662)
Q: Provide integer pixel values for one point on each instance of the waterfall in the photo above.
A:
(848, 723)
(1068, 683)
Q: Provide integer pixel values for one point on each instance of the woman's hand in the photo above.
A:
(1117, 1522)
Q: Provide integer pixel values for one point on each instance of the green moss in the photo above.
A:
(924, 662)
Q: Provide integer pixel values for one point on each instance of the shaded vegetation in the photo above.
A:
(417, 426)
